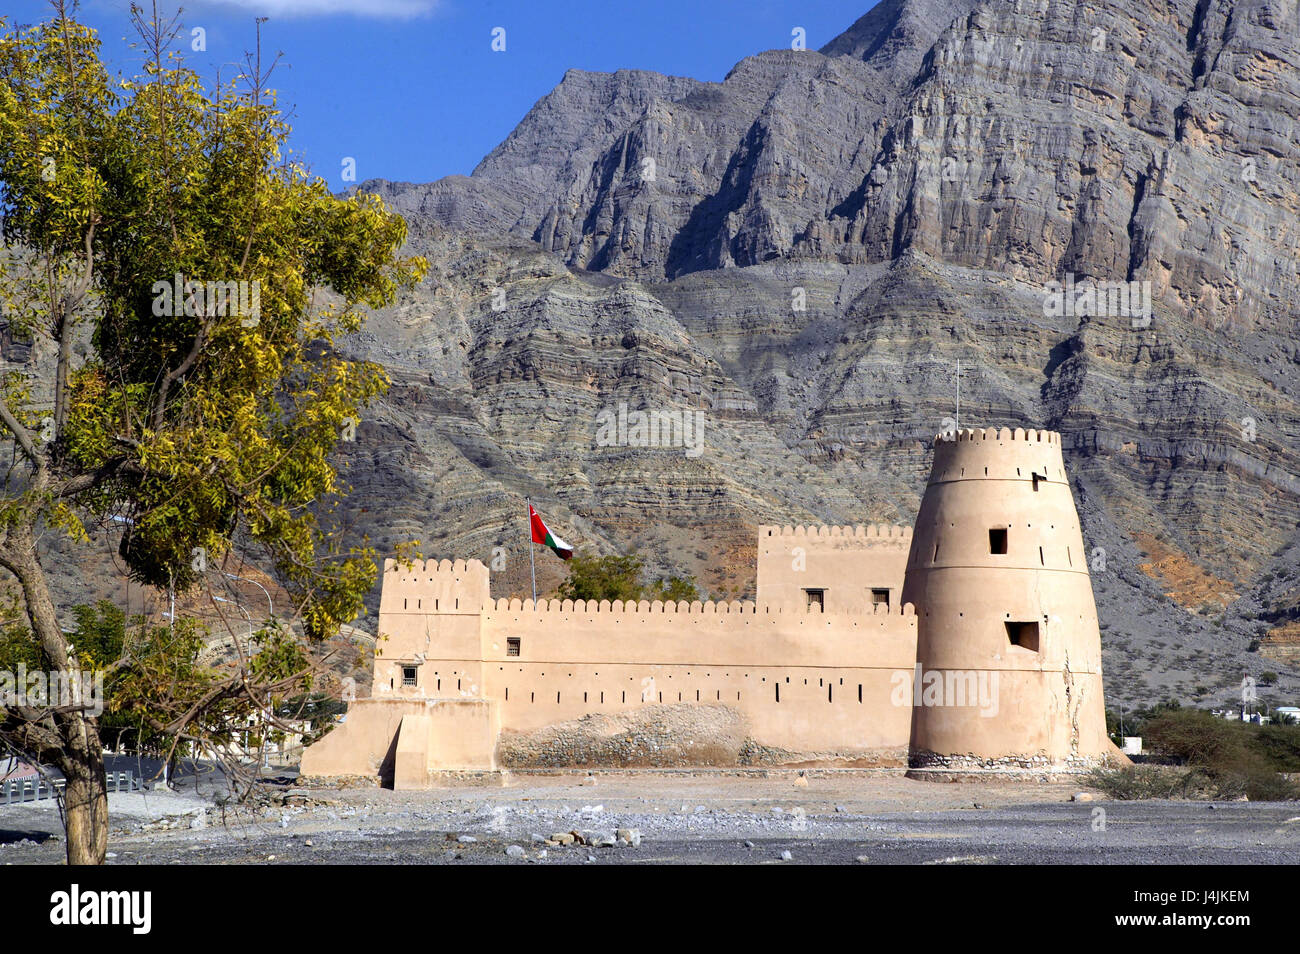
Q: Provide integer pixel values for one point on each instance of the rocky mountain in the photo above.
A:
(804, 253)
(799, 258)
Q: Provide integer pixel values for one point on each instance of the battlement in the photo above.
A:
(875, 531)
(999, 454)
(709, 608)
(434, 586)
(430, 567)
(1031, 436)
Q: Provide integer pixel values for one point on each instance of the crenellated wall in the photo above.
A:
(804, 681)
(853, 567)
(1004, 640)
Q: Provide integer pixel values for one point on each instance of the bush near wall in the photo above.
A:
(1218, 759)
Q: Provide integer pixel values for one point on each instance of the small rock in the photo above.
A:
(749, 844)
(467, 839)
(840, 808)
(589, 780)
(1083, 797)
(542, 853)
(110, 854)
(515, 851)
(270, 857)
(786, 856)
(309, 843)
(801, 781)
(538, 839)
(563, 838)
(862, 859)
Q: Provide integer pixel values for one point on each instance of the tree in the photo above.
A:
(675, 588)
(603, 578)
(619, 578)
(157, 227)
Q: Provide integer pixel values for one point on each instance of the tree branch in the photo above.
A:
(172, 376)
(23, 436)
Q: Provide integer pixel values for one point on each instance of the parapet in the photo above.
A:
(434, 586)
(657, 607)
(1000, 434)
(875, 531)
(999, 454)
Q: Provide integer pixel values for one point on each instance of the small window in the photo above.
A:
(512, 646)
(816, 598)
(409, 675)
(880, 597)
(1024, 635)
(1037, 478)
(998, 540)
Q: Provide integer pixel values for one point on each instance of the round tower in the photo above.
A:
(999, 578)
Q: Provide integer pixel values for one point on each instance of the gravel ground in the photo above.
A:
(683, 818)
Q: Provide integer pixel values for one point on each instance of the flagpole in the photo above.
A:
(532, 565)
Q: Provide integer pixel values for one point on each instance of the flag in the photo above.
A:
(544, 536)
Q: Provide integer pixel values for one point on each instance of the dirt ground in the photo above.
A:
(682, 817)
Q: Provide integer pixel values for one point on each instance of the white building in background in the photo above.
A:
(1287, 714)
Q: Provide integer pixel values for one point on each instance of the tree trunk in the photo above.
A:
(85, 800)
(81, 757)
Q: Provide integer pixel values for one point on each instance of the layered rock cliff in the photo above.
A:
(804, 252)
(788, 268)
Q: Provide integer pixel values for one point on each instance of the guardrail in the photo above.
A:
(32, 789)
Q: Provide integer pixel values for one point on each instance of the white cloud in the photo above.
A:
(381, 9)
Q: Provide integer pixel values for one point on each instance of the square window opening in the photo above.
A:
(816, 598)
(409, 676)
(880, 597)
(1024, 635)
(997, 540)
(512, 645)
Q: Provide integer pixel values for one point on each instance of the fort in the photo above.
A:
(968, 643)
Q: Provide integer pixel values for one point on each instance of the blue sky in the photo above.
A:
(412, 88)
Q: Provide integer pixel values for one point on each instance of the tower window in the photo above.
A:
(1024, 635)
(1037, 478)
(879, 597)
(512, 645)
(816, 598)
(997, 540)
(409, 676)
